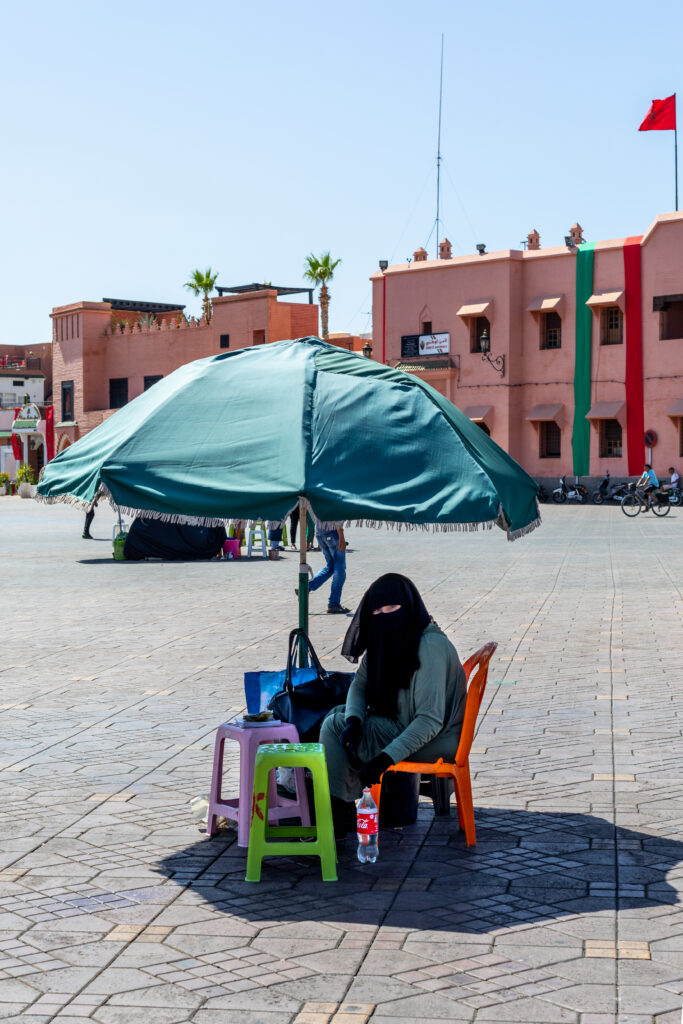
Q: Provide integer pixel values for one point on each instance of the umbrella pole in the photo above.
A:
(303, 576)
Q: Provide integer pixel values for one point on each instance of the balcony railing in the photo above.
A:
(14, 363)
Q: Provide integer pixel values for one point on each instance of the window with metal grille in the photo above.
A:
(610, 439)
(549, 440)
(67, 401)
(118, 392)
(259, 338)
(478, 324)
(671, 321)
(551, 330)
(224, 341)
(152, 380)
(612, 326)
(17, 383)
(426, 327)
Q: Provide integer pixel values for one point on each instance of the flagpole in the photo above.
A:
(675, 152)
(438, 154)
(676, 162)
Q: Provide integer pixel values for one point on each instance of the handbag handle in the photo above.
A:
(296, 637)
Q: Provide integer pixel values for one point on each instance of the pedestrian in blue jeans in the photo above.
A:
(333, 545)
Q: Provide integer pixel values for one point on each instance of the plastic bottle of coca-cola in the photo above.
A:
(367, 827)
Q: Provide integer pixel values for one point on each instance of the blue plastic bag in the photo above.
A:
(261, 687)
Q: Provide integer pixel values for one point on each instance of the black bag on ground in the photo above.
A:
(306, 705)
(399, 800)
(153, 538)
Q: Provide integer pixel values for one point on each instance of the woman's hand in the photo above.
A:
(349, 739)
(372, 771)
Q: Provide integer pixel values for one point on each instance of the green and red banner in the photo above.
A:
(582, 360)
(635, 412)
(633, 378)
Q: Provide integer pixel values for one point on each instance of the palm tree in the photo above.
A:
(320, 271)
(202, 284)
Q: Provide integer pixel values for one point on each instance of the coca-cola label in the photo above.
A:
(366, 823)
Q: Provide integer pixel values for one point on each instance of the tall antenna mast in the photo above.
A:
(438, 155)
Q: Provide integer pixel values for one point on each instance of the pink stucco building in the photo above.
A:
(585, 345)
(106, 353)
(25, 376)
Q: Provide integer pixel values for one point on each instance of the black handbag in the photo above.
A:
(306, 705)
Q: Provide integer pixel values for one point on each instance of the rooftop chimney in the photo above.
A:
(533, 239)
(420, 255)
(445, 250)
(576, 232)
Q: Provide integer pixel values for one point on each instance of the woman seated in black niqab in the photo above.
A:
(407, 701)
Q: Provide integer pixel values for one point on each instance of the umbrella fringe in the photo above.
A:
(378, 524)
(522, 532)
(180, 519)
(64, 499)
(175, 518)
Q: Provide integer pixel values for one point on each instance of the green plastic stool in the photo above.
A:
(291, 755)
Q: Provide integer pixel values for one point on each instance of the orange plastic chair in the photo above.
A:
(459, 770)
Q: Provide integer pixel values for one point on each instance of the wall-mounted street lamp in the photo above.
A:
(569, 242)
(367, 350)
(383, 265)
(481, 249)
(497, 362)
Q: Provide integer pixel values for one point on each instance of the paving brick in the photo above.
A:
(577, 781)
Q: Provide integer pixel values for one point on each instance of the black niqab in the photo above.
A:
(391, 639)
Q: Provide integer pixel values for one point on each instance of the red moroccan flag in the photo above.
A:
(661, 116)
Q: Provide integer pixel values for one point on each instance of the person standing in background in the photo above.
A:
(89, 516)
(293, 525)
(332, 543)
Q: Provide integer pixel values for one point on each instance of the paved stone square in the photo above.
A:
(115, 907)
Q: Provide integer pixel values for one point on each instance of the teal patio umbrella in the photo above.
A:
(248, 434)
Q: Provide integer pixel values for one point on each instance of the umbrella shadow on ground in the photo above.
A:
(527, 868)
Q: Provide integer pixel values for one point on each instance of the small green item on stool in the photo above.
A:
(119, 545)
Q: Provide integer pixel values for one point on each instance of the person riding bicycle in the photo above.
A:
(648, 480)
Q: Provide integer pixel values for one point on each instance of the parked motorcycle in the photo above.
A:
(542, 493)
(563, 493)
(675, 496)
(609, 492)
(603, 489)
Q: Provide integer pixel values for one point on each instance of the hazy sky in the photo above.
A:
(143, 139)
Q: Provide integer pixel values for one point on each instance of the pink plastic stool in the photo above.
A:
(278, 806)
(231, 547)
